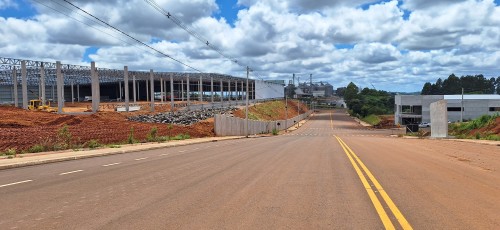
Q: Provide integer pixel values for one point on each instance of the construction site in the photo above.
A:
(39, 98)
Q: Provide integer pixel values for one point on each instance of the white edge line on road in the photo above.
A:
(19, 182)
(70, 172)
(138, 159)
(117, 163)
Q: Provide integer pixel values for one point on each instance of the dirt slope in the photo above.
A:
(22, 129)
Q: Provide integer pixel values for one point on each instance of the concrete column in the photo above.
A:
(60, 96)
(133, 88)
(42, 84)
(125, 81)
(152, 80)
(187, 91)
(14, 83)
(212, 90)
(221, 93)
(120, 90)
(24, 84)
(139, 90)
(172, 92)
(53, 93)
(147, 90)
(182, 90)
(161, 90)
(230, 94)
(78, 92)
(72, 93)
(242, 91)
(95, 88)
(200, 89)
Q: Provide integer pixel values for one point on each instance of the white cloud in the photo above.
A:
(7, 3)
(276, 38)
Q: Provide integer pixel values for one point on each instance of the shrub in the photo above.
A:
(131, 139)
(152, 135)
(11, 152)
(36, 149)
(93, 144)
(275, 132)
(64, 138)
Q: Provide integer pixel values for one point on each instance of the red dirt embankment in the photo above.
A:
(22, 129)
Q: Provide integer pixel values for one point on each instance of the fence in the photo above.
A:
(233, 126)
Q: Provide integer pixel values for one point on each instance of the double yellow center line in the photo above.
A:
(360, 167)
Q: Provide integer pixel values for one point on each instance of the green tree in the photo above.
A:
(452, 85)
(351, 92)
(497, 82)
(427, 89)
(437, 88)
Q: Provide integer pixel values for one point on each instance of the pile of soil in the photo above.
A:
(22, 129)
(386, 122)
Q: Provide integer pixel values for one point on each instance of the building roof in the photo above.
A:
(473, 97)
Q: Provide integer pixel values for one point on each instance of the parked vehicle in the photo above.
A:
(424, 124)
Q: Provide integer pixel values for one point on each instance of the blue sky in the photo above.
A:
(337, 41)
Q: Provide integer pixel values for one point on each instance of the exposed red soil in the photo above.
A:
(490, 129)
(22, 129)
(387, 122)
(279, 114)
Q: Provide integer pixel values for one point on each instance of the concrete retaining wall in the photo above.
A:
(233, 126)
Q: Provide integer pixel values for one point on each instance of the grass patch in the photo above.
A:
(466, 130)
(372, 119)
(92, 144)
(36, 149)
(181, 137)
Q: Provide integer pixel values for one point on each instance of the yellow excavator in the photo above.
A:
(37, 105)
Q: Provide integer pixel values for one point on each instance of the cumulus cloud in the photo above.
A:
(375, 53)
(378, 44)
(7, 3)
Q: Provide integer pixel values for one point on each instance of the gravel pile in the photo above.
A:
(182, 117)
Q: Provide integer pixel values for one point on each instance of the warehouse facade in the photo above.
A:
(412, 109)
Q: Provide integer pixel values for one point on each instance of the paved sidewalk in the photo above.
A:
(50, 157)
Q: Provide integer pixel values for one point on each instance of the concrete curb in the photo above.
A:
(77, 155)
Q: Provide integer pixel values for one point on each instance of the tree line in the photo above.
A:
(368, 101)
(476, 84)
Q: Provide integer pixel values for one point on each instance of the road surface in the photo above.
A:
(329, 174)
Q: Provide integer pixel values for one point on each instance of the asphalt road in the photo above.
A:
(329, 174)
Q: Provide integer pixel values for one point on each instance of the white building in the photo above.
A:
(416, 108)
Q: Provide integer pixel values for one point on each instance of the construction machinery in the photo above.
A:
(37, 105)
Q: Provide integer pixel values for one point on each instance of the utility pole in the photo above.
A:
(246, 107)
(286, 113)
(462, 107)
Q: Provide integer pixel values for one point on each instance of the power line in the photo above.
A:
(88, 24)
(196, 35)
(133, 38)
